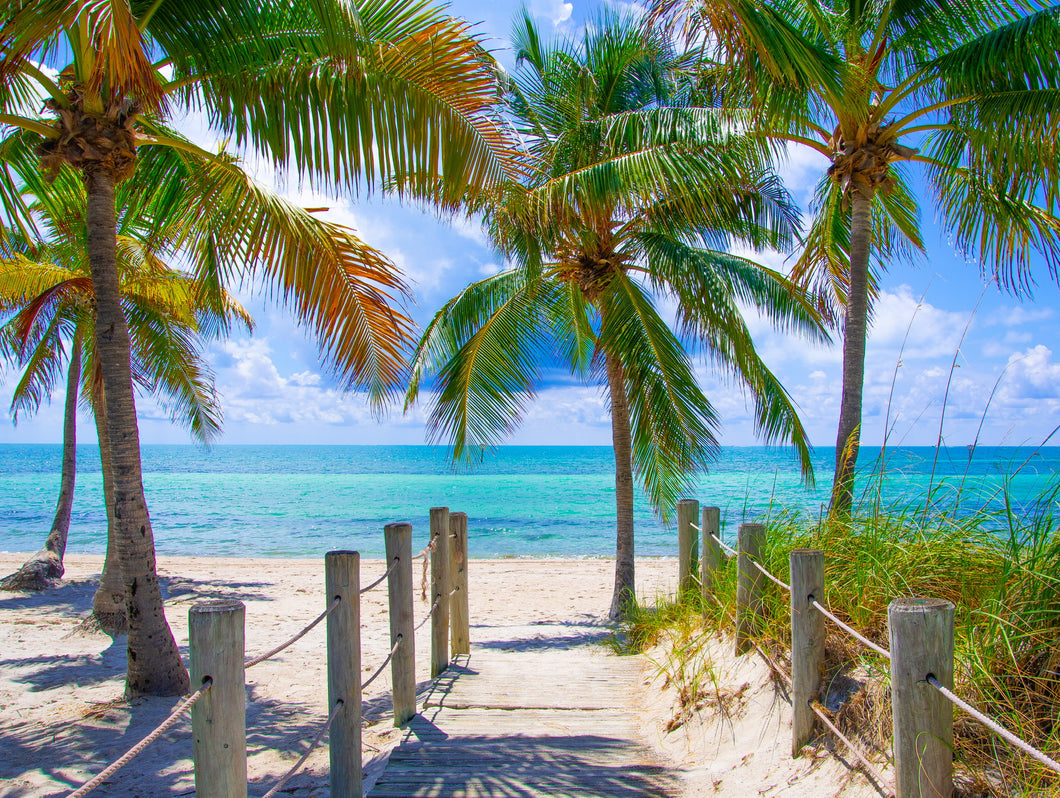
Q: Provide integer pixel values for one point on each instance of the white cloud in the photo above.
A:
(556, 11)
(801, 168)
(1021, 315)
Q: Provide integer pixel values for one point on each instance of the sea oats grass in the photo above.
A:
(999, 565)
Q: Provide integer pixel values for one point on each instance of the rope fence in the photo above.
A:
(178, 712)
(250, 663)
(428, 616)
(386, 662)
(381, 579)
(993, 725)
(849, 629)
(290, 774)
(216, 628)
(920, 655)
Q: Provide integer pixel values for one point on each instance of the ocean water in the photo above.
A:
(301, 501)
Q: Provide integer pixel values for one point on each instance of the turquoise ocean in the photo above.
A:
(522, 501)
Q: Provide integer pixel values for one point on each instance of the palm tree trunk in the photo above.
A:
(154, 664)
(855, 330)
(108, 605)
(625, 584)
(46, 566)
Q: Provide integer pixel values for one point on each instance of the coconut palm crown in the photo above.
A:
(635, 194)
(346, 93)
(966, 93)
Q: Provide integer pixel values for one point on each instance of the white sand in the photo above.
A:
(62, 717)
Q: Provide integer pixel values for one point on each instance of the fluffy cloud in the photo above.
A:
(555, 11)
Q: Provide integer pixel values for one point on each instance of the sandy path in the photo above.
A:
(62, 717)
(61, 714)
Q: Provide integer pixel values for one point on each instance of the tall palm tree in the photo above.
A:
(47, 291)
(968, 91)
(347, 92)
(634, 194)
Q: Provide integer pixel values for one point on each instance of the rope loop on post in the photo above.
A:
(178, 712)
(426, 555)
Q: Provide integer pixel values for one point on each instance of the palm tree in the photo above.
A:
(47, 290)
(348, 92)
(969, 91)
(634, 193)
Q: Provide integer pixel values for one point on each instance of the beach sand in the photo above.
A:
(62, 716)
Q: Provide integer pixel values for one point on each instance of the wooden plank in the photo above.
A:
(510, 722)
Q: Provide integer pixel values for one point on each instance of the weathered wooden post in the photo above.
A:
(807, 642)
(748, 585)
(399, 586)
(219, 718)
(342, 579)
(713, 557)
(921, 631)
(687, 550)
(460, 637)
(440, 590)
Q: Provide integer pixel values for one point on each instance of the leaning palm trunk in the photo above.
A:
(46, 566)
(154, 662)
(625, 584)
(108, 605)
(855, 330)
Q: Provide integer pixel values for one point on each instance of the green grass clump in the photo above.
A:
(1002, 572)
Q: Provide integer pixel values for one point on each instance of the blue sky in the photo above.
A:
(275, 391)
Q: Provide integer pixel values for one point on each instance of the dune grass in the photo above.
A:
(1001, 568)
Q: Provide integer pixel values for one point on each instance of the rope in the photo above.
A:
(250, 663)
(122, 761)
(426, 555)
(729, 549)
(870, 769)
(313, 744)
(386, 662)
(768, 575)
(769, 661)
(996, 728)
(378, 581)
(428, 615)
(853, 632)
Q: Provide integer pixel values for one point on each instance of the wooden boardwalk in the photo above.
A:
(544, 714)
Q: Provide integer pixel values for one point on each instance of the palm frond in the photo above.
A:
(484, 349)
(674, 426)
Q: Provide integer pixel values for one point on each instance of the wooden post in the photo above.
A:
(921, 644)
(713, 557)
(399, 586)
(687, 549)
(748, 585)
(219, 718)
(342, 571)
(440, 590)
(460, 636)
(807, 642)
